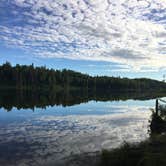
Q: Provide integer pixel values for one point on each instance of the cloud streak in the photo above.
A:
(128, 32)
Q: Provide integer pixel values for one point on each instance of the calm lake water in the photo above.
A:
(50, 135)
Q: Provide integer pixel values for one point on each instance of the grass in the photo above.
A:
(151, 152)
(148, 153)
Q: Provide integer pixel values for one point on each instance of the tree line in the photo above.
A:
(24, 77)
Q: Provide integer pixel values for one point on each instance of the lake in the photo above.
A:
(45, 132)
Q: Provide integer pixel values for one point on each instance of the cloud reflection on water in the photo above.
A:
(47, 138)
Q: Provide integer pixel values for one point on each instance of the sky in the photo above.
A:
(125, 38)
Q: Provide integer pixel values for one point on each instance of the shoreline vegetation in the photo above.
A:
(147, 153)
(23, 86)
(38, 78)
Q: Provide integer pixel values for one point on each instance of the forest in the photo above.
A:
(30, 77)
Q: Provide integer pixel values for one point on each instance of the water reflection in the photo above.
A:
(50, 139)
(50, 136)
(41, 99)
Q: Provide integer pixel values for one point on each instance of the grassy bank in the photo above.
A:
(151, 152)
(148, 153)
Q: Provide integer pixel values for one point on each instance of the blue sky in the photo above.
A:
(124, 38)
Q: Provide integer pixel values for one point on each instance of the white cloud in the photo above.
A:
(129, 32)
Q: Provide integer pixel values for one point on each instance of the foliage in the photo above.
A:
(30, 77)
(148, 153)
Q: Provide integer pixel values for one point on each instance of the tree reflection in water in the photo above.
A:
(40, 99)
